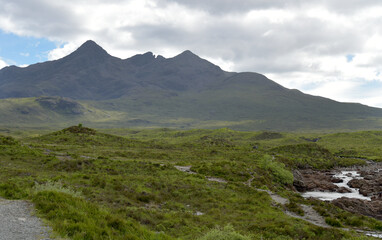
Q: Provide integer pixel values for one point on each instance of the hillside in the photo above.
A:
(169, 184)
(49, 112)
(185, 91)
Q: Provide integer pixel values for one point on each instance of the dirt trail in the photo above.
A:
(18, 222)
(310, 215)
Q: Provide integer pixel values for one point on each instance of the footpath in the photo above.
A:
(17, 222)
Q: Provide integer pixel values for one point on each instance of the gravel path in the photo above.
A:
(18, 223)
(310, 216)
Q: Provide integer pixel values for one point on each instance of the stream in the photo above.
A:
(346, 176)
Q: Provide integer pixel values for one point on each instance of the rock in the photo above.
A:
(357, 183)
(368, 208)
(367, 187)
(368, 177)
(336, 180)
(343, 190)
(309, 180)
(298, 181)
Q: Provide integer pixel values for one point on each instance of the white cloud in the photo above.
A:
(25, 54)
(3, 63)
(350, 91)
(336, 89)
(62, 51)
(223, 64)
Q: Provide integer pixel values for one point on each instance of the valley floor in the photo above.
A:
(195, 184)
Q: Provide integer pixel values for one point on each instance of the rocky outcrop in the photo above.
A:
(309, 180)
(364, 207)
(370, 185)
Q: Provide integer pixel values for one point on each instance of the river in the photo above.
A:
(346, 176)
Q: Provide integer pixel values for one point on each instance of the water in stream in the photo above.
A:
(346, 176)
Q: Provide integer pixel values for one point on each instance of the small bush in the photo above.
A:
(12, 191)
(227, 233)
(8, 141)
(333, 222)
(309, 155)
(78, 219)
(79, 129)
(378, 226)
(294, 207)
(354, 221)
(277, 169)
(268, 136)
(55, 187)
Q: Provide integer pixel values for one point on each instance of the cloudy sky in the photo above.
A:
(331, 48)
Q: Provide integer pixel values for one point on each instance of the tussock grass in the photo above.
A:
(93, 185)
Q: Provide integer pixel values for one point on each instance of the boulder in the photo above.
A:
(364, 207)
(309, 180)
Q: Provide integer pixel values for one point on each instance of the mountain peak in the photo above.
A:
(188, 54)
(90, 44)
(189, 58)
(142, 59)
(90, 49)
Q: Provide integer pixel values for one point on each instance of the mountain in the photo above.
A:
(185, 91)
(91, 73)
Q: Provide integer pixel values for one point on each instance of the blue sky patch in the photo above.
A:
(16, 50)
(349, 57)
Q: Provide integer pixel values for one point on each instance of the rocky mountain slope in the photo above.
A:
(184, 91)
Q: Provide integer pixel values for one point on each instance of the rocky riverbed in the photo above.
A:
(357, 190)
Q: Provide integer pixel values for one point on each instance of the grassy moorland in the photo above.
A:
(89, 184)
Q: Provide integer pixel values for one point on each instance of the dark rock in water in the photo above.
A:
(61, 105)
(368, 208)
(336, 180)
(343, 190)
(309, 180)
(357, 183)
(368, 186)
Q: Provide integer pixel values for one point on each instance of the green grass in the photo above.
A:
(76, 218)
(359, 144)
(93, 185)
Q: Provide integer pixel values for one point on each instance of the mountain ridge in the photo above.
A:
(183, 91)
(91, 67)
